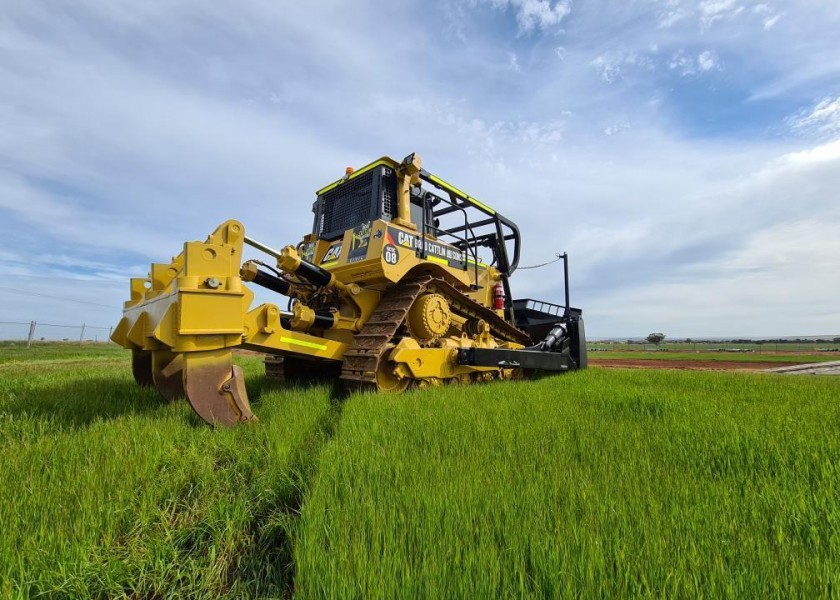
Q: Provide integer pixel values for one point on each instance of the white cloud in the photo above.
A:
(771, 21)
(673, 16)
(716, 10)
(541, 13)
(708, 61)
(535, 14)
(710, 12)
(775, 249)
(790, 265)
(812, 156)
(681, 62)
(608, 68)
(822, 120)
(612, 65)
(768, 15)
(539, 133)
(616, 128)
(687, 64)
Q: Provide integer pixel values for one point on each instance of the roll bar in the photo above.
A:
(504, 230)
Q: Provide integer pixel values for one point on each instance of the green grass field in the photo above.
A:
(603, 483)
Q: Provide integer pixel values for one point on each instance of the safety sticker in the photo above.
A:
(359, 243)
(307, 252)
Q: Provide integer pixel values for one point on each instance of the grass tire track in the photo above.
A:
(273, 531)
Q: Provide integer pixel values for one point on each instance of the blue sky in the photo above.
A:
(685, 153)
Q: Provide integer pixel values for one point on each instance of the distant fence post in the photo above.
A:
(110, 331)
(31, 334)
(82, 336)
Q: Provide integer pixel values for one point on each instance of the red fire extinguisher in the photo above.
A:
(499, 296)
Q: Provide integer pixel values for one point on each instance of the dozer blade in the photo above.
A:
(168, 373)
(215, 388)
(141, 367)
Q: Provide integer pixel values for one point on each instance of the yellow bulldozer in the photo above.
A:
(404, 280)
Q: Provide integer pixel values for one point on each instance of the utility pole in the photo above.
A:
(82, 337)
(31, 334)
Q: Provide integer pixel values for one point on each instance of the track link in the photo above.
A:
(362, 359)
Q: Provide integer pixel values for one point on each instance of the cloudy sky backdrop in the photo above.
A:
(685, 153)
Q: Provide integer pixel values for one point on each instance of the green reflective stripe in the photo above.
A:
(481, 205)
(445, 185)
(293, 341)
(466, 197)
(365, 169)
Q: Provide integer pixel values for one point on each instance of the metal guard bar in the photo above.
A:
(500, 221)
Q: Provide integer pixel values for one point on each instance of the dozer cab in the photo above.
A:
(404, 280)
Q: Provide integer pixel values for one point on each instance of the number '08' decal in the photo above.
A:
(391, 254)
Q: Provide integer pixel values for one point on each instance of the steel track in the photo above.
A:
(363, 357)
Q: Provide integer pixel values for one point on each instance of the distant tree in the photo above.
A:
(655, 338)
(687, 340)
(837, 340)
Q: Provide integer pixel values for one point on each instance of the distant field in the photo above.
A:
(17, 352)
(715, 356)
(761, 348)
(604, 483)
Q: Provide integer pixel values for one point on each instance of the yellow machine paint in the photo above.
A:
(382, 302)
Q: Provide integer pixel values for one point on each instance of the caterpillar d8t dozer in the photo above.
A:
(404, 280)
